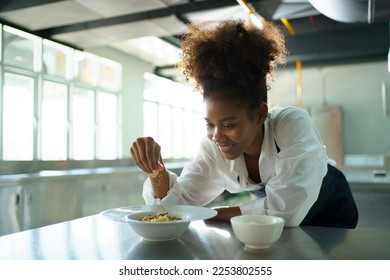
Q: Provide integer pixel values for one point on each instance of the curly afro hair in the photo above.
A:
(233, 60)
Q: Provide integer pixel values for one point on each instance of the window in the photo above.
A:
(21, 49)
(110, 74)
(57, 103)
(107, 118)
(172, 115)
(18, 117)
(83, 123)
(54, 121)
(86, 67)
(57, 60)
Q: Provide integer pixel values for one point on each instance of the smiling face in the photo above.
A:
(229, 126)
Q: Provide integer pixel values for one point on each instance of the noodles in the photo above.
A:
(159, 217)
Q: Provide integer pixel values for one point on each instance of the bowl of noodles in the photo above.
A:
(157, 222)
(158, 226)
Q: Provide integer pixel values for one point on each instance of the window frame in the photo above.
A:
(39, 77)
(168, 149)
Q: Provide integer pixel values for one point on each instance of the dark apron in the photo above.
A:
(335, 206)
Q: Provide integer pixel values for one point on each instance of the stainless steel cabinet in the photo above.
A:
(51, 201)
(35, 201)
(11, 210)
(110, 191)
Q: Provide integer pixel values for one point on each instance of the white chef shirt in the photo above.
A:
(292, 178)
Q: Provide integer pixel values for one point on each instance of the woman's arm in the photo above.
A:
(225, 213)
(160, 183)
(300, 166)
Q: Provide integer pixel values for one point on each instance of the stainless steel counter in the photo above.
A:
(368, 177)
(94, 237)
(69, 190)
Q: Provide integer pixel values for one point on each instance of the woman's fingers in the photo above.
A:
(152, 153)
(146, 153)
(135, 155)
(141, 154)
(160, 166)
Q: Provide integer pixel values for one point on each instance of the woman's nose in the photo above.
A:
(216, 137)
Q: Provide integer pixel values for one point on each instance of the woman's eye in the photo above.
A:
(209, 125)
(228, 126)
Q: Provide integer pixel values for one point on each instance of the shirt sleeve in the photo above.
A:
(199, 183)
(300, 167)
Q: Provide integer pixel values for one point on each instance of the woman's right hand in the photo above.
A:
(147, 154)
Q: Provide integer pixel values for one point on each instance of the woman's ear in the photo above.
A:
(262, 112)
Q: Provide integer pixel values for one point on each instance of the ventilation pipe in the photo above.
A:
(348, 11)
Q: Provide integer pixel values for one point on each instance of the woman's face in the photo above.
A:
(230, 128)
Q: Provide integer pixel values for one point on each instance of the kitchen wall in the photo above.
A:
(356, 88)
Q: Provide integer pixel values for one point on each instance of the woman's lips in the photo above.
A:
(226, 148)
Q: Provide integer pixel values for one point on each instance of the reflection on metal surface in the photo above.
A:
(221, 232)
(165, 250)
(295, 243)
(97, 238)
(209, 239)
(10, 209)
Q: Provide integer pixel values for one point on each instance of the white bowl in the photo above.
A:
(257, 231)
(159, 231)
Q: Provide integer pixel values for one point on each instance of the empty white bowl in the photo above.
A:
(257, 231)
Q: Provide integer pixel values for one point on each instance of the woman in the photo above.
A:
(277, 155)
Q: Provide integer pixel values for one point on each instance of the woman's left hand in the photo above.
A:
(225, 213)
